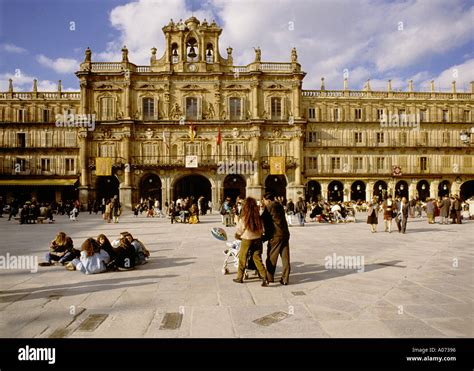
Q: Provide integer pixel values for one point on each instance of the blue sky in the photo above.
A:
(371, 39)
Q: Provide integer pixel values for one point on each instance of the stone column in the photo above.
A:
(324, 189)
(255, 113)
(255, 189)
(127, 114)
(84, 166)
(297, 98)
(369, 190)
(126, 186)
(84, 106)
(347, 191)
(412, 192)
(434, 189)
(297, 189)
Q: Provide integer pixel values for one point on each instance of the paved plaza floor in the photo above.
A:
(419, 284)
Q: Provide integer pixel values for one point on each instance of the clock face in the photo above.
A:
(192, 68)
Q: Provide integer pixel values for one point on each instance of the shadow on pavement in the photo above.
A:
(77, 288)
(302, 273)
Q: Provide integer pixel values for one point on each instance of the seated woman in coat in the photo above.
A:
(93, 259)
(61, 251)
(141, 252)
(124, 255)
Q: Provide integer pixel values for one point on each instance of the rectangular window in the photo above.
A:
(312, 163)
(446, 162)
(403, 138)
(379, 114)
(402, 162)
(422, 115)
(46, 164)
(358, 137)
(276, 108)
(358, 114)
(402, 115)
(21, 165)
(335, 163)
(46, 115)
(313, 136)
(446, 137)
(423, 163)
(148, 108)
(467, 116)
(380, 163)
(380, 138)
(46, 139)
(312, 113)
(192, 149)
(21, 115)
(445, 115)
(192, 108)
(235, 150)
(21, 140)
(70, 138)
(106, 112)
(336, 114)
(357, 163)
(424, 138)
(107, 150)
(277, 149)
(150, 153)
(235, 109)
(70, 166)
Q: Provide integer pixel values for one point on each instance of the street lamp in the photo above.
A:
(402, 187)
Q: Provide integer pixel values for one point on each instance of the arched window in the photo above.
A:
(174, 53)
(107, 108)
(192, 50)
(209, 53)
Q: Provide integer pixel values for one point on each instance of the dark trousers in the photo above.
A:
(398, 220)
(278, 247)
(255, 248)
(67, 257)
(458, 217)
(404, 224)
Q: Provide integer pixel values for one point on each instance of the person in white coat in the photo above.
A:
(93, 259)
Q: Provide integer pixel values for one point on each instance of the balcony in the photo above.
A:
(410, 171)
(290, 162)
(204, 161)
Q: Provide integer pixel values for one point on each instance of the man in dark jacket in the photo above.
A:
(278, 236)
(405, 210)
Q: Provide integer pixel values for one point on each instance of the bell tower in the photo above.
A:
(191, 46)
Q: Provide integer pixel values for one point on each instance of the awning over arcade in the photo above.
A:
(38, 182)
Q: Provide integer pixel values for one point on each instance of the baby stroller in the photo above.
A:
(232, 254)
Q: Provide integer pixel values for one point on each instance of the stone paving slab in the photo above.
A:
(416, 285)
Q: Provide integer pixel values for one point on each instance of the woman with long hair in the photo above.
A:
(250, 230)
(93, 259)
(105, 244)
(61, 250)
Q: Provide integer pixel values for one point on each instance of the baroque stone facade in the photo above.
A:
(170, 126)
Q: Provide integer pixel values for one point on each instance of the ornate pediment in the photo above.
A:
(192, 87)
(276, 87)
(106, 87)
(146, 87)
(235, 87)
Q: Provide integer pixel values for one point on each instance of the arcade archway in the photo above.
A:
(194, 186)
(313, 191)
(467, 190)
(444, 188)
(234, 186)
(107, 187)
(380, 189)
(150, 187)
(401, 189)
(358, 191)
(423, 188)
(276, 184)
(335, 191)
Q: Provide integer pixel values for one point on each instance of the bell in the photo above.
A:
(175, 52)
(192, 53)
(209, 53)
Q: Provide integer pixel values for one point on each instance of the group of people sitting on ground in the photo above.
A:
(97, 255)
(186, 210)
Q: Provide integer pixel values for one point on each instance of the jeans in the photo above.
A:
(67, 257)
(301, 218)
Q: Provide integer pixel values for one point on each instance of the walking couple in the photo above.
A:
(254, 229)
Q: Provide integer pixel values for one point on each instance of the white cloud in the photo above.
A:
(59, 65)
(330, 35)
(11, 48)
(24, 82)
(462, 73)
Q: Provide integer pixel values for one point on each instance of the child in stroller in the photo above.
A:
(232, 254)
